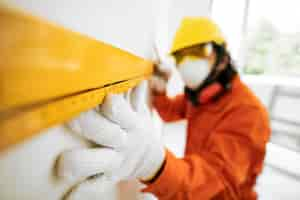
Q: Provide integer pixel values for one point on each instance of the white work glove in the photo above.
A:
(130, 146)
(161, 74)
(159, 79)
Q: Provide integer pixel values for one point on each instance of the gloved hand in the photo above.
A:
(159, 79)
(130, 146)
(161, 74)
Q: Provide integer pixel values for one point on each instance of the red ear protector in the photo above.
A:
(209, 93)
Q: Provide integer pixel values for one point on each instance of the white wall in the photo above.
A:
(126, 24)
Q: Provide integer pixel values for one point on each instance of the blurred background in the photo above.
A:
(263, 37)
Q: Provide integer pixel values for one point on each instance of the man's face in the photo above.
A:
(195, 64)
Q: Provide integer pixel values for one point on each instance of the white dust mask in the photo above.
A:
(194, 71)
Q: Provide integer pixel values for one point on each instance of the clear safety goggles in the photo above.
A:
(194, 52)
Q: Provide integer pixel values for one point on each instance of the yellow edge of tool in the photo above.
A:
(29, 122)
(49, 74)
(41, 61)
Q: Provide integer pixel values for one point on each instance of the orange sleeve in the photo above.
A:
(170, 109)
(233, 153)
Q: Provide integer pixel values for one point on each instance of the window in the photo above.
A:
(263, 35)
(231, 21)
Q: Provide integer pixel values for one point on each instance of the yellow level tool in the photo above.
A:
(49, 74)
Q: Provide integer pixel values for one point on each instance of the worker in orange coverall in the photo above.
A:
(227, 127)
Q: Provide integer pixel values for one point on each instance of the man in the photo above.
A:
(227, 127)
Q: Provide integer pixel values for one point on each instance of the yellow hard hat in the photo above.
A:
(196, 30)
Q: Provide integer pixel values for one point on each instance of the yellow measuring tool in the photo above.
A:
(49, 74)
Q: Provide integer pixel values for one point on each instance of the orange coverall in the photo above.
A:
(226, 144)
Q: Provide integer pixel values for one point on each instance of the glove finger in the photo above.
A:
(139, 99)
(97, 128)
(158, 84)
(83, 163)
(91, 189)
(127, 95)
(118, 110)
(162, 71)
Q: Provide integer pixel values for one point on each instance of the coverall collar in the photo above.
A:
(208, 96)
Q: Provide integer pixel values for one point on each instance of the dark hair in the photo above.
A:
(221, 53)
(229, 72)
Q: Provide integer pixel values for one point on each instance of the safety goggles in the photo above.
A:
(198, 51)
